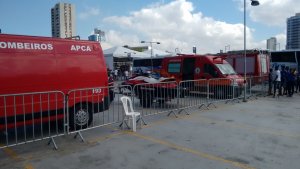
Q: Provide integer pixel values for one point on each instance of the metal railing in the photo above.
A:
(155, 98)
(195, 94)
(94, 107)
(30, 117)
(257, 86)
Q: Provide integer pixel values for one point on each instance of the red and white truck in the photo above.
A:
(257, 62)
(31, 64)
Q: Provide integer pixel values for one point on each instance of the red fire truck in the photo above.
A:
(197, 67)
(31, 64)
(257, 62)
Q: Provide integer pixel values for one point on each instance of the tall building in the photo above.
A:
(293, 32)
(271, 44)
(97, 36)
(63, 20)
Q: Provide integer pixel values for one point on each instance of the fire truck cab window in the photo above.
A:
(174, 67)
(210, 70)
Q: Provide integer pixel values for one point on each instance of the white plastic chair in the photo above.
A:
(129, 112)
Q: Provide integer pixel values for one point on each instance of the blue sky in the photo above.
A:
(209, 25)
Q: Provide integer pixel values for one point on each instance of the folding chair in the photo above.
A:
(129, 112)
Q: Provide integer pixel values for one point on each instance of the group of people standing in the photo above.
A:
(119, 75)
(285, 80)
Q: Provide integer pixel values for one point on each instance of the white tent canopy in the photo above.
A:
(121, 52)
(158, 53)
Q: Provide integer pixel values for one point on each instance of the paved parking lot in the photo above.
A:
(259, 134)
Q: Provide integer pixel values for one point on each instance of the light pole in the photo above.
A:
(151, 42)
(253, 3)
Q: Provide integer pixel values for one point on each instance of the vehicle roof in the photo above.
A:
(51, 45)
(2, 35)
(182, 56)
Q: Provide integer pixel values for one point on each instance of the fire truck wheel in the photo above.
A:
(80, 117)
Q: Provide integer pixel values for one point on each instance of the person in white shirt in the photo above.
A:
(126, 74)
(116, 74)
(277, 79)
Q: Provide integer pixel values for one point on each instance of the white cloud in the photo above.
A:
(120, 39)
(89, 11)
(177, 25)
(281, 40)
(274, 12)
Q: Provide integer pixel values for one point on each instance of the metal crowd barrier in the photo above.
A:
(223, 89)
(29, 117)
(258, 86)
(156, 98)
(93, 107)
(195, 94)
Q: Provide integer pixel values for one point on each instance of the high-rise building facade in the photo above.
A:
(293, 32)
(271, 44)
(63, 20)
(97, 36)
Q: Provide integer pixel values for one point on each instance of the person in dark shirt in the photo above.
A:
(290, 82)
(297, 83)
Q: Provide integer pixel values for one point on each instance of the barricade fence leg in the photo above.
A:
(80, 135)
(51, 140)
(181, 110)
(124, 122)
(172, 112)
(141, 119)
(204, 105)
(207, 97)
(210, 104)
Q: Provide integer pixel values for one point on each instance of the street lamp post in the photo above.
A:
(253, 3)
(151, 42)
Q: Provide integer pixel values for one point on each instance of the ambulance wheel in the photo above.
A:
(80, 117)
